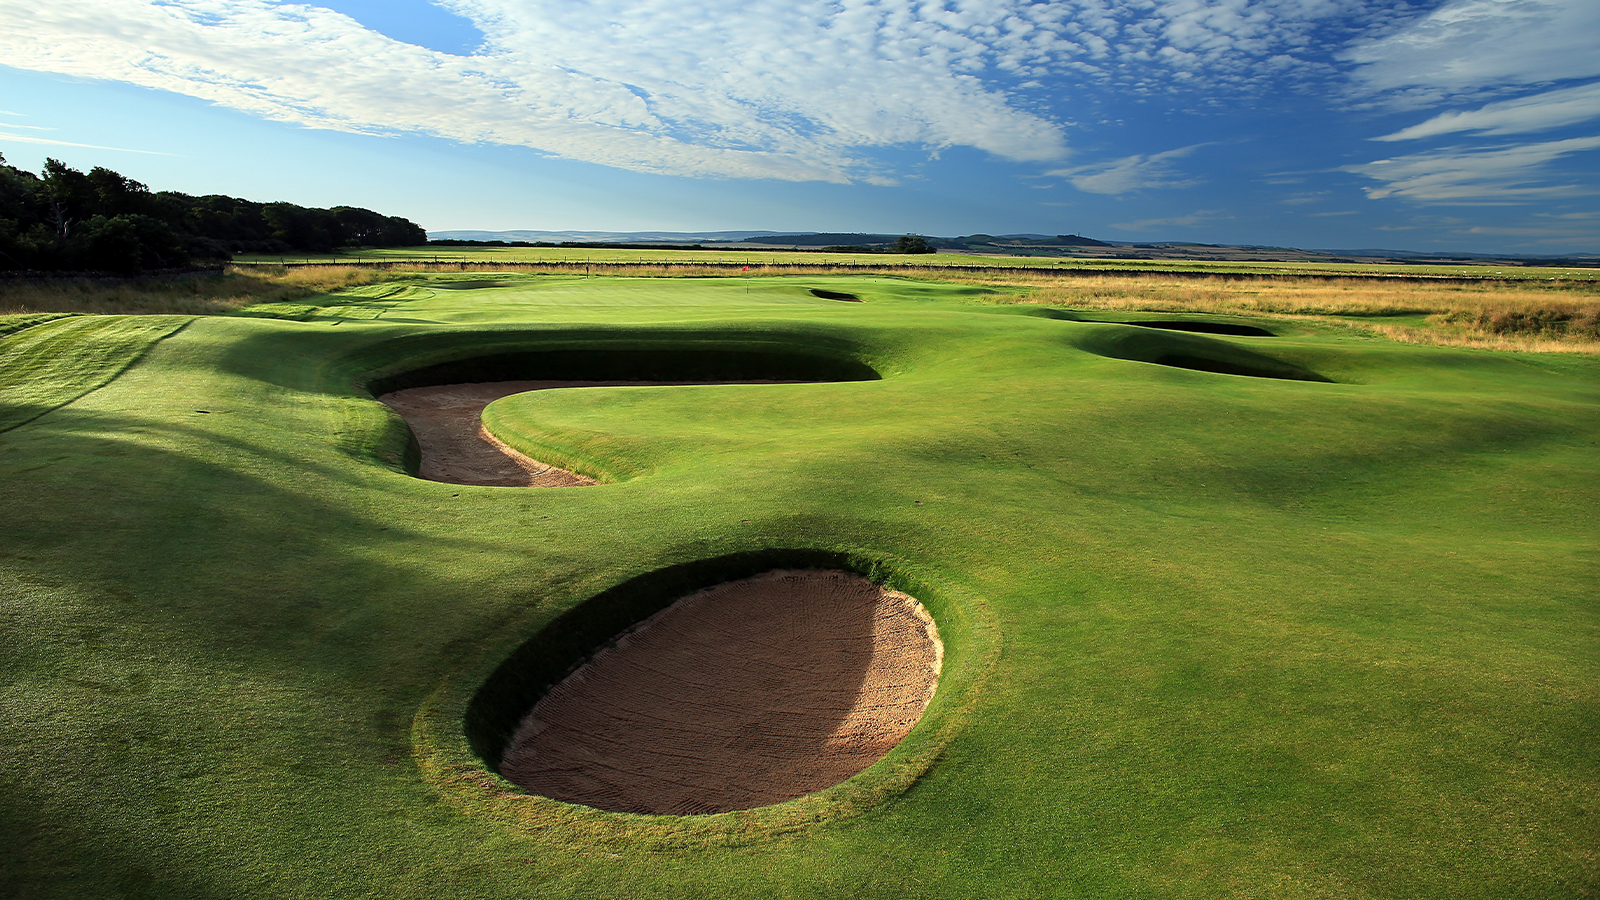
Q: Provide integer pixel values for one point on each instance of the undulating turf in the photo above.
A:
(48, 361)
(1209, 634)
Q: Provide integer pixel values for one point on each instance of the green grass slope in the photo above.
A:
(49, 361)
(1211, 635)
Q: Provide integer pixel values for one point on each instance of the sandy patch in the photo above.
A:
(744, 694)
(448, 422)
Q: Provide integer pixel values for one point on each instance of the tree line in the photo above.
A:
(909, 243)
(66, 220)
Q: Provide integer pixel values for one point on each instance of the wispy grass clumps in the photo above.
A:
(1561, 317)
(187, 295)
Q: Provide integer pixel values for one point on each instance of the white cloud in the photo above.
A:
(1468, 46)
(758, 89)
(1130, 173)
(24, 139)
(1527, 232)
(1481, 50)
(1552, 109)
(784, 89)
(1462, 175)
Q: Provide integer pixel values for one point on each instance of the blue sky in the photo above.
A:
(1437, 126)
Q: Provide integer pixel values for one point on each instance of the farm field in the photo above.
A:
(1263, 606)
(737, 258)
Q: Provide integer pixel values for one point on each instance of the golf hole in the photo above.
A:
(743, 694)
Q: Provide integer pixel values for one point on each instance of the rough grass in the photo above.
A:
(1557, 317)
(188, 295)
(512, 257)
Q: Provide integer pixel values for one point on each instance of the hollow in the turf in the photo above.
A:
(741, 695)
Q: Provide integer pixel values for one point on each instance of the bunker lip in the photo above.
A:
(1196, 352)
(741, 695)
(835, 295)
(447, 421)
(456, 448)
(1193, 326)
(1201, 327)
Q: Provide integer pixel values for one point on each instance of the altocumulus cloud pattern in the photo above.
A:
(800, 91)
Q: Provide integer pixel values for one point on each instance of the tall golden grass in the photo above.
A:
(186, 295)
(1561, 317)
(1517, 315)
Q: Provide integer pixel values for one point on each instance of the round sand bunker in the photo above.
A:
(742, 695)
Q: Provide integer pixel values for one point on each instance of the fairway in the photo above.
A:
(1222, 606)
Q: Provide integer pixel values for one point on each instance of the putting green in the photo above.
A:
(1205, 634)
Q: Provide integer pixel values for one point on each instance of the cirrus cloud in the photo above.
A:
(1541, 112)
(1468, 47)
(1516, 173)
(1130, 173)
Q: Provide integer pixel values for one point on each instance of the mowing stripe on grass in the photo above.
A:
(45, 367)
(12, 324)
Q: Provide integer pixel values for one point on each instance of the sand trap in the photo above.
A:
(448, 422)
(741, 695)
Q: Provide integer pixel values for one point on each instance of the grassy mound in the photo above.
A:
(1207, 636)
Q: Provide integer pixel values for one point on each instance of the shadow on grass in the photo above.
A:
(1188, 351)
(49, 854)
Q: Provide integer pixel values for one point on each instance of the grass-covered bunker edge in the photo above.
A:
(460, 733)
(594, 354)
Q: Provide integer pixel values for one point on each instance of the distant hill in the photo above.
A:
(825, 239)
(1067, 246)
(627, 237)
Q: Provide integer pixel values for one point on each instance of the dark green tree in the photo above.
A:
(126, 244)
(912, 243)
(64, 219)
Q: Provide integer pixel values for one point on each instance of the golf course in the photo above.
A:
(1009, 597)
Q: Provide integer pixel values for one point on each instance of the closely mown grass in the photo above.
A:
(59, 359)
(1209, 636)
